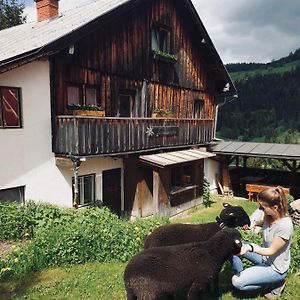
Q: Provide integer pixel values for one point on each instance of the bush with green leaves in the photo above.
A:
(15, 221)
(80, 236)
(206, 193)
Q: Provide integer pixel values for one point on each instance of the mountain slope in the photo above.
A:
(268, 107)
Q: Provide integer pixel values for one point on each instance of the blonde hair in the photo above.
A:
(275, 196)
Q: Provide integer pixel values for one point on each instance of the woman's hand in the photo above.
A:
(245, 248)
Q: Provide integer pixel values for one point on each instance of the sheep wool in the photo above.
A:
(167, 270)
(175, 234)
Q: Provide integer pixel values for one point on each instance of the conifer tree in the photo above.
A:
(11, 13)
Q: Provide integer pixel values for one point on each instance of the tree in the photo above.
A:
(11, 13)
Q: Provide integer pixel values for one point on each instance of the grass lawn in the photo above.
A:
(104, 281)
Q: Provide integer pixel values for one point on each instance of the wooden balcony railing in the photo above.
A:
(83, 136)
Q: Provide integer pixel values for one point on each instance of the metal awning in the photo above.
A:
(266, 150)
(173, 158)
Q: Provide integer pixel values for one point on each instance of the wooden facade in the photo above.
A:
(117, 58)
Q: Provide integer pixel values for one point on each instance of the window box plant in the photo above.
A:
(164, 56)
(87, 110)
(161, 113)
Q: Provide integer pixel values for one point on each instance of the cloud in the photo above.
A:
(256, 30)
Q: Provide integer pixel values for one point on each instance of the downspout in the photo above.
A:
(76, 164)
(226, 100)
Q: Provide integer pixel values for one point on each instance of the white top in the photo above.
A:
(283, 228)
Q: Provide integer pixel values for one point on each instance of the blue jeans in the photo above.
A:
(254, 277)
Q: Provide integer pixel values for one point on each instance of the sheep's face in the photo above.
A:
(234, 216)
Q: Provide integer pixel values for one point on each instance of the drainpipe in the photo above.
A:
(226, 100)
(76, 164)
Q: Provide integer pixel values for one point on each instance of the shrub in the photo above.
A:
(206, 193)
(79, 236)
(15, 223)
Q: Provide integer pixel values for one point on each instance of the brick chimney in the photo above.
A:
(46, 9)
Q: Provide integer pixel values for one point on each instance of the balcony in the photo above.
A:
(83, 136)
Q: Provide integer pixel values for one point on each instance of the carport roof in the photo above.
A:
(266, 150)
(173, 158)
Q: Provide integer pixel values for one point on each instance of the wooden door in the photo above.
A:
(112, 190)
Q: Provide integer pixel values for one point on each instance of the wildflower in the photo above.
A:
(7, 269)
(136, 228)
(26, 234)
(16, 260)
(138, 239)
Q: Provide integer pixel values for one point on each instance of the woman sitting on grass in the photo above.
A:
(272, 260)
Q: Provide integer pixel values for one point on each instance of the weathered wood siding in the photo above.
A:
(118, 57)
(95, 136)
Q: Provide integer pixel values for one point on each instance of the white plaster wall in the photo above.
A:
(26, 156)
(211, 172)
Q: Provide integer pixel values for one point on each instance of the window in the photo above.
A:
(74, 94)
(198, 109)
(181, 176)
(126, 105)
(160, 39)
(91, 96)
(10, 107)
(15, 194)
(86, 189)
(83, 95)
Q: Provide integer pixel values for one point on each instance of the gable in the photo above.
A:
(32, 40)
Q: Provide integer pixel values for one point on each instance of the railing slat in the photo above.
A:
(76, 135)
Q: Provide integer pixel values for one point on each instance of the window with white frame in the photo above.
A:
(86, 189)
(160, 39)
(14, 194)
(10, 107)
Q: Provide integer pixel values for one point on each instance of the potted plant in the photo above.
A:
(164, 56)
(87, 110)
(161, 113)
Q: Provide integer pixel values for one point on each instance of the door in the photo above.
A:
(112, 190)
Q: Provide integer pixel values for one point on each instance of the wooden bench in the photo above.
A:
(252, 188)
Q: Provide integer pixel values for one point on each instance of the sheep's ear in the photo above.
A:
(225, 204)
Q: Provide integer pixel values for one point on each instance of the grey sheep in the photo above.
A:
(175, 234)
(167, 270)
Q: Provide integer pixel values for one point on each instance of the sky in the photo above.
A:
(241, 30)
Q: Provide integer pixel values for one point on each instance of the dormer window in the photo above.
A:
(160, 39)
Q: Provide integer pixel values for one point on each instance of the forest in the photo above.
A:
(268, 106)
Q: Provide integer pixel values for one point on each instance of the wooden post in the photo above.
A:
(156, 180)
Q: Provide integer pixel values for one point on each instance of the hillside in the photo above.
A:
(268, 107)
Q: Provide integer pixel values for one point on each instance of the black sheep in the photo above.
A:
(168, 270)
(175, 234)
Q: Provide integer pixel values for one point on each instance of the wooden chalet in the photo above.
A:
(135, 81)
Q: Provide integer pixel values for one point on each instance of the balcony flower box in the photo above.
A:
(87, 110)
(161, 113)
(90, 113)
(163, 56)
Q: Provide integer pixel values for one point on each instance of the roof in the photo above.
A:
(33, 36)
(173, 158)
(33, 39)
(266, 150)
